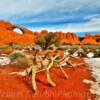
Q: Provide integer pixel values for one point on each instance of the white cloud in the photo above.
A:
(97, 20)
(91, 16)
(9, 8)
(92, 26)
(30, 11)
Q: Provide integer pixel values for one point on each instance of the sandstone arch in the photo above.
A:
(18, 30)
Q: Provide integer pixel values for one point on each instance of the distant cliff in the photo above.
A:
(12, 33)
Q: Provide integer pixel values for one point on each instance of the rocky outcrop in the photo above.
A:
(88, 39)
(97, 38)
(8, 35)
(72, 38)
(68, 38)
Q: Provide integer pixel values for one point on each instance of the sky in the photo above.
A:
(55, 15)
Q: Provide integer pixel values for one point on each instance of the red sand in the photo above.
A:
(14, 87)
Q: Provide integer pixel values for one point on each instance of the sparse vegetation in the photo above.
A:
(48, 39)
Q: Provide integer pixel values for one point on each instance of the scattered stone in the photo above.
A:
(4, 61)
(94, 64)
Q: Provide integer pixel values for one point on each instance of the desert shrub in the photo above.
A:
(40, 41)
(19, 59)
(6, 49)
(46, 40)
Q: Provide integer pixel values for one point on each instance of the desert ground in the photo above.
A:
(83, 81)
(14, 87)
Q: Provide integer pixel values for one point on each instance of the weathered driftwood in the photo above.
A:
(40, 64)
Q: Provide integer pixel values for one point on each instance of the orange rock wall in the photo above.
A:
(7, 35)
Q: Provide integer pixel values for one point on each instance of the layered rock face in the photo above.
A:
(68, 38)
(8, 35)
(72, 38)
(88, 39)
(97, 38)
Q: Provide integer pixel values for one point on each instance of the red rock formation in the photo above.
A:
(7, 35)
(97, 38)
(69, 38)
(5, 25)
(88, 39)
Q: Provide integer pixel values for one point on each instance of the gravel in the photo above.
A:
(94, 65)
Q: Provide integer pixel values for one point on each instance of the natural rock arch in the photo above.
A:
(18, 30)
